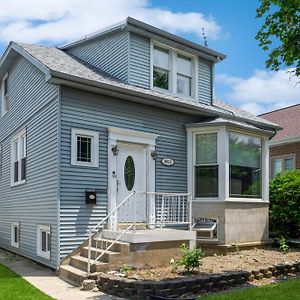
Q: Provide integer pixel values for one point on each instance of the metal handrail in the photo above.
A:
(103, 221)
(185, 213)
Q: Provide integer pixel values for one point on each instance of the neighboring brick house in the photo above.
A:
(285, 146)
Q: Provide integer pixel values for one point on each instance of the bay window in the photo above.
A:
(227, 165)
(18, 150)
(206, 168)
(244, 166)
(173, 71)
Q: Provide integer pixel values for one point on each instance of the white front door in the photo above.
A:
(131, 176)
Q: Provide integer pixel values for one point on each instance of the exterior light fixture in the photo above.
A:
(154, 154)
(115, 150)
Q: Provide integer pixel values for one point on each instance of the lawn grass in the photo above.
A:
(288, 290)
(14, 287)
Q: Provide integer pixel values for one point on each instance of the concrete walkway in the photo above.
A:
(45, 279)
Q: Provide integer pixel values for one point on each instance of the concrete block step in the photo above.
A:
(107, 257)
(72, 275)
(117, 246)
(81, 263)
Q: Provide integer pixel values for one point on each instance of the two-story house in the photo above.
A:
(285, 147)
(120, 131)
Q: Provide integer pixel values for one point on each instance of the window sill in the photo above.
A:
(44, 255)
(247, 200)
(76, 164)
(18, 183)
(168, 92)
(206, 200)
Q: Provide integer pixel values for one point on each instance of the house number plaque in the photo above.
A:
(168, 162)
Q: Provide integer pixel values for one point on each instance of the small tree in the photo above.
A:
(285, 204)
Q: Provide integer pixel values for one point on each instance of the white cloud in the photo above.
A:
(263, 91)
(60, 21)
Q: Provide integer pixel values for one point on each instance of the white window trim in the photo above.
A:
(223, 162)
(12, 234)
(206, 131)
(173, 71)
(282, 159)
(17, 136)
(3, 97)
(94, 147)
(39, 252)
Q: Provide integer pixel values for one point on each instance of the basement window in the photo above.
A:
(44, 241)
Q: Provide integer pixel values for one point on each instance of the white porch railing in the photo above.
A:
(160, 210)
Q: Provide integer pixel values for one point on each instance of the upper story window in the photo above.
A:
(245, 159)
(282, 164)
(173, 71)
(85, 148)
(18, 150)
(4, 95)
(184, 75)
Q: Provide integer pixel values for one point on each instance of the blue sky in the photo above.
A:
(230, 27)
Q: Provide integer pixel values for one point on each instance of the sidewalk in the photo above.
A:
(45, 279)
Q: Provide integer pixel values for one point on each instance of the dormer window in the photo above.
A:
(161, 68)
(174, 71)
(184, 75)
(4, 95)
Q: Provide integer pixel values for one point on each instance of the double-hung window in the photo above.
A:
(173, 71)
(4, 95)
(282, 164)
(206, 168)
(85, 148)
(184, 75)
(15, 234)
(44, 241)
(161, 68)
(18, 150)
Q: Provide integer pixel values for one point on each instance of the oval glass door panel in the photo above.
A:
(129, 173)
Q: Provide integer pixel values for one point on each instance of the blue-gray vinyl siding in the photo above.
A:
(205, 83)
(33, 104)
(139, 65)
(94, 112)
(126, 56)
(108, 54)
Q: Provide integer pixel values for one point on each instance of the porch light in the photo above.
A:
(115, 150)
(154, 154)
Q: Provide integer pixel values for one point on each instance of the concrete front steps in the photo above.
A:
(143, 248)
(75, 268)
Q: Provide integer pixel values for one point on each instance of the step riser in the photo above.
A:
(107, 257)
(83, 265)
(70, 277)
(115, 248)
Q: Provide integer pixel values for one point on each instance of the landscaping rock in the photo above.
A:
(88, 284)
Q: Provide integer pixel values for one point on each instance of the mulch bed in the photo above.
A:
(239, 260)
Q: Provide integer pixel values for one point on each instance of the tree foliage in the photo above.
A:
(282, 24)
(285, 204)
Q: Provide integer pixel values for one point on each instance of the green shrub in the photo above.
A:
(191, 259)
(283, 246)
(285, 204)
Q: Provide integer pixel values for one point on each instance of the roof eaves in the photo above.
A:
(107, 30)
(18, 49)
(134, 22)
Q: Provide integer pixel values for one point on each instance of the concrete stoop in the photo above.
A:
(142, 249)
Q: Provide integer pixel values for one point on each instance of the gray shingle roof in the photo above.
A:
(58, 61)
